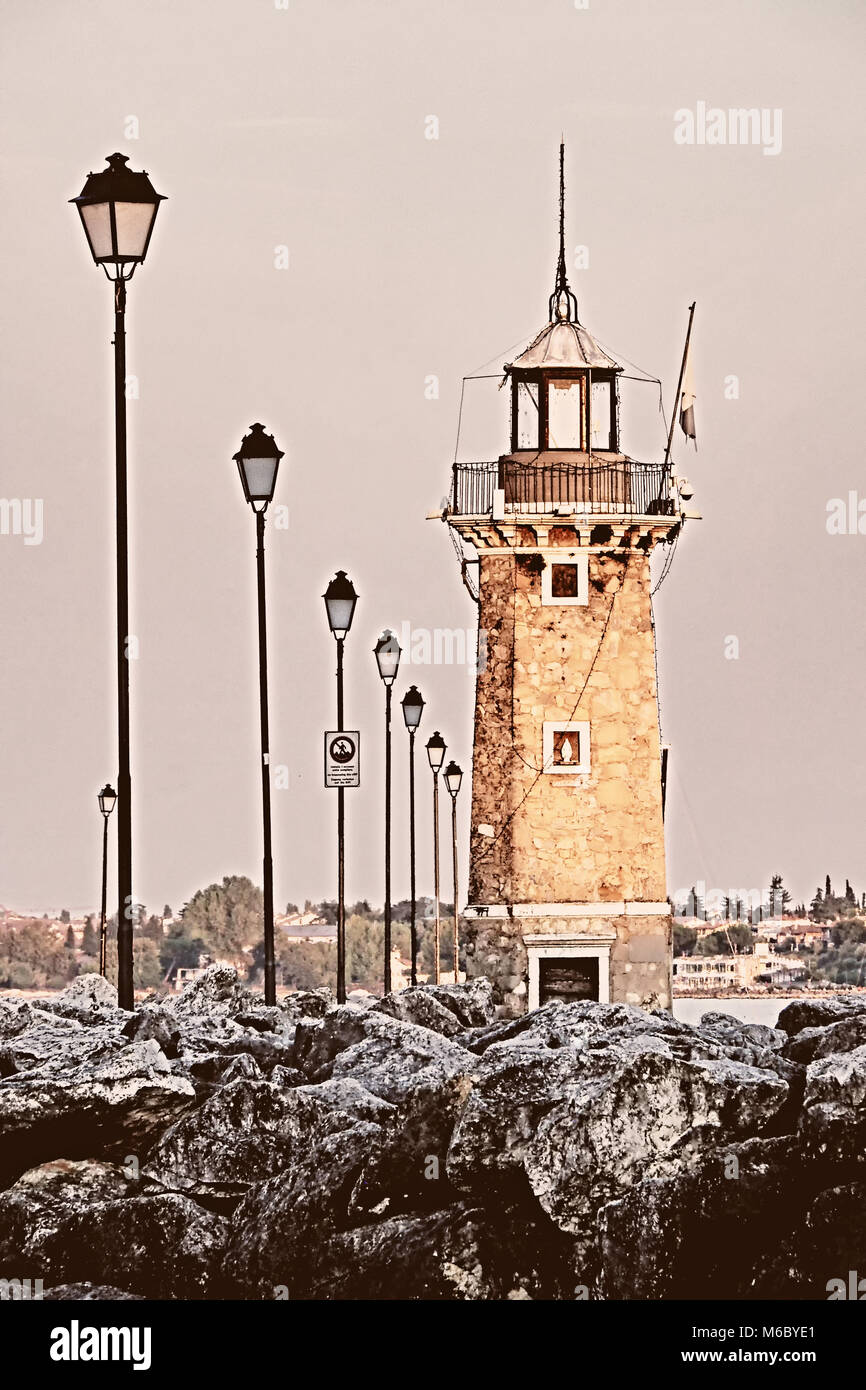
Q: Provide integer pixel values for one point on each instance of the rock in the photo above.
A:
(43, 1196)
(817, 1013)
(88, 999)
(90, 1293)
(52, 1042)
(390, 1063)
(668, 1238)
(280, 1229)
(420, 1006)
(834, 1106)
(161, 1246)
(380, 1052)
(307, 1003)
(457, 1254)
(822, 1253)
(575, 1125)
(109, 1105)
(15, 1016)
(157, 1023)
(246, 1132)
(218, 990)
(472, 1002)
(844, 1036)
(241, 1067)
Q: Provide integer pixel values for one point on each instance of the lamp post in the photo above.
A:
(436, 757)
(387, 654)
(453, 778)
(106, 798)
(413, 708)
(340, 599)
(258, 460)
(118, 209)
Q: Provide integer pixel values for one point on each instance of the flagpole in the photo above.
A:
(679, 387)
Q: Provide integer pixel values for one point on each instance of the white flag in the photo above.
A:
(687, 402)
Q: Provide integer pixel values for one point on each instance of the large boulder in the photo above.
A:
(709, 1226)
(41, 1198)
(575, 1125)
(88, 999)
(163, 1246)
(249, 1131)
(457, 1254)
(817, 1013)
(280, 1229)
(833, 1123)
(109, 1105)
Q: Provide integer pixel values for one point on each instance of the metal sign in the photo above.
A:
(343, 758)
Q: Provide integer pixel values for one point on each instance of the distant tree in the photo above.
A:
(850, 895)
(167, 912)
(147, 972)
(64, 916)
(828, 891)
(152, 929)
(178, 950)
(69, 942)
(308, 964)
(291, 909)
(363, 909)
(228, 916)
(327, 911)
(90, 938)
(779, 896)
(733, 940)
(684, 940)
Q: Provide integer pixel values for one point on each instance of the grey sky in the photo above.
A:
(411, 257)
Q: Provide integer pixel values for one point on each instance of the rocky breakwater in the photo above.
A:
(209, 1147)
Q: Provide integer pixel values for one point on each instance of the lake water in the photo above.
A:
(749, 1010)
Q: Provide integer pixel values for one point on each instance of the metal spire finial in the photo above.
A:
(562, 305)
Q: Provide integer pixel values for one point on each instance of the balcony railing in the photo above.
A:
(622, 488)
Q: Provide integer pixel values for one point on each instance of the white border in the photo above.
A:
(568, 948)
(554, 726)
(580, 560)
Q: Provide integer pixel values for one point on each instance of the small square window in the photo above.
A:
(565, 578)
(565, 746)
(563, 581)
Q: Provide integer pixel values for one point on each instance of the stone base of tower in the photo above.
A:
(617, 953)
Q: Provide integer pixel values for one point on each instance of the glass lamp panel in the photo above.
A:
(564, 401)
(527, 416)
(340, 612)
(436, 752)
(413, 708)
(97, 225)
(261, 476)
(388, 659)
(601, 415)
(453, 780)
(133, 228)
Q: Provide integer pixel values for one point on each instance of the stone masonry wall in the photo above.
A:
(568, 838)
(640, 971)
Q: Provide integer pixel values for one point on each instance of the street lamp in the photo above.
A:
(118, 209)
(413, 708)
(340, 599)
(387, 654)
(106, 798)
(436, 757)
(453, 778)
(258, 460)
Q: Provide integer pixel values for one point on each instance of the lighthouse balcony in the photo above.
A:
(553, 485)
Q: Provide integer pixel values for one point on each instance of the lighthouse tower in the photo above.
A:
(567, 896)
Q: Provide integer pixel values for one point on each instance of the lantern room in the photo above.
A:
(564, 392)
